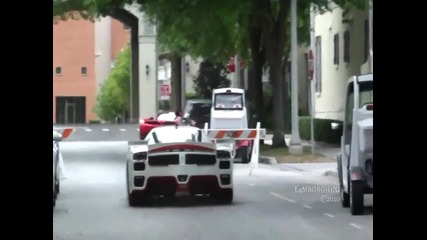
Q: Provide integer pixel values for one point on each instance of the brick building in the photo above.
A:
(83, 55)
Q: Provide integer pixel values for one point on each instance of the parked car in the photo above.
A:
(147, 124)
(197, 112)
(57, 137)
(58, 163)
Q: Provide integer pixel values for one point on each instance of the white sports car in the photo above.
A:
(174, 159)
(58, 161)
(56, 138)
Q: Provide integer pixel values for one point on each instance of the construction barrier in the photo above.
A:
(255, 134)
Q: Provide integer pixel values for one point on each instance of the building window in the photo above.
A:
(125, 26)
(347, 46)
(366, 43)
(58, 71)
(318, 64)
(336, 49)
(84, 71)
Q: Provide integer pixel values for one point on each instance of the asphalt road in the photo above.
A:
(270, 204)
(102, 132)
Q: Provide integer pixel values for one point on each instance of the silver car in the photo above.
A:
(57, 137)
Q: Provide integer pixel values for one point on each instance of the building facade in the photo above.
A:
(342, 48)
(83, 55)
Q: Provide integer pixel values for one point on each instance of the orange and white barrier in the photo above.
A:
(66, 132)
(240, 134)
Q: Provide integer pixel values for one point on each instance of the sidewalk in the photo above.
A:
(327, 150)
(320, 148)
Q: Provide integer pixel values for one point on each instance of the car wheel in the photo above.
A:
(132, 200)
(57, 187)
(244, 154)
(356, 197)
(224, 196)
(344, 196)
(54, 199)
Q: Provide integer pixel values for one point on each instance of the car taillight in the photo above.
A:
(141, 156)
(370, 107)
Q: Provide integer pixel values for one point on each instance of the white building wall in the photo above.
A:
(329, 100)
(102, 50)
(148, 87)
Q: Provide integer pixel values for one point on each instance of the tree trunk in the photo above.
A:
(278, 105)
(274, 35)
(256, 90)
(255, 78)
(175, 102)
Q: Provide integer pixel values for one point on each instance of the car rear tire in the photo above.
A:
(356, 197)
(57, 187)
(132, 200)
(244, 154)
(54, 200)
(224, 196)
(344, 196)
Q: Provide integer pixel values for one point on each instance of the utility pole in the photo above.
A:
(312, 77)
(295, 147)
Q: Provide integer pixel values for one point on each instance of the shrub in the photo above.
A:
(322, 130)
(190, 96)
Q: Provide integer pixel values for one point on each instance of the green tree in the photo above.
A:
(221, 28)
(113, 98)
(211, 75)
(186, 28)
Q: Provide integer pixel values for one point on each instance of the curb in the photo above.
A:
(273, 161)
(267, 160)
(331, 173)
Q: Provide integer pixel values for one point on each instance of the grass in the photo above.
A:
(282, 155)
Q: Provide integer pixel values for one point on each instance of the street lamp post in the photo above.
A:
(295, 146)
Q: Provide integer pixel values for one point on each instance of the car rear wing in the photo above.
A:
(255, 134)
(190, 146)
(140, 142)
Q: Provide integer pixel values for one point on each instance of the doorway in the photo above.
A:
(70, 110)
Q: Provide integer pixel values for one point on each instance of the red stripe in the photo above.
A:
(252, 134)
(66, 132)
(237, 134)
(220, 134)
